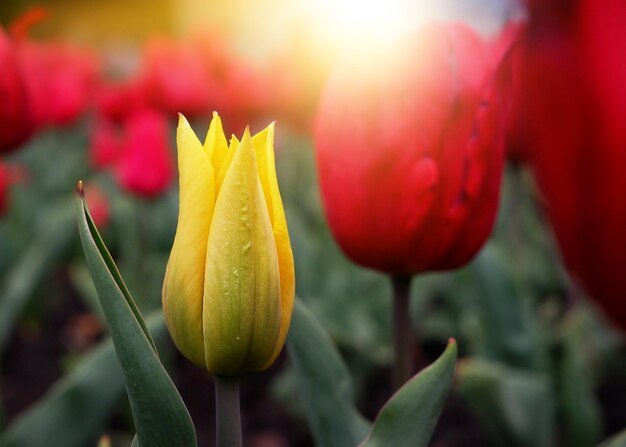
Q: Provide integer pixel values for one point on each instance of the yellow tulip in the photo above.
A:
(229, 285)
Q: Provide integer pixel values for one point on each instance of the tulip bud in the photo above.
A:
(410, 152)
(229, 286)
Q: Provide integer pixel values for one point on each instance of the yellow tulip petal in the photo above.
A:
(264, 147)
(241, 312)
(183, 287)
(287, 285)
(215, 144)
(230, 153)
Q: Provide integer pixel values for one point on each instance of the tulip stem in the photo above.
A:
(403, 336)
(228, 425)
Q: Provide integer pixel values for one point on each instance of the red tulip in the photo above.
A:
(574, 82)
(105, 144)
(508, 53)
(61, 78)
(16, 121)
(145, 166)
(116, 101)
(174, 78)
(410, 153)
(507, 38)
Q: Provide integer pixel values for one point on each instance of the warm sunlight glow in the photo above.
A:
(355, 19)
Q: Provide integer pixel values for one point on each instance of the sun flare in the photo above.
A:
(357, 19)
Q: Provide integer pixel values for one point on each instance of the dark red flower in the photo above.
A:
(574, 72)
(409, 152)
(145, 165)
(16, 120)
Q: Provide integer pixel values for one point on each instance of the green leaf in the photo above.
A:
(324, 382)
(619, 440)
(579, 408)
(161, 418)
(74, 411)
(409, 418)
(517, 406)
(505, 316)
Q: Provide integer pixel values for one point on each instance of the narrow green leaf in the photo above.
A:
(619, 440)
(75, 410)
(110, 267)
(410, 416)
(517, 406)
(161, 418)
(324, 382)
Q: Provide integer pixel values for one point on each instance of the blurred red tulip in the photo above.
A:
(174, 78)
(410, 152)
(16, 121)
(105, 144)
(61, 79)
(507, 38)
(145, 165)
(507, 51)
(116, 101)
(574, 81)
(247, 95)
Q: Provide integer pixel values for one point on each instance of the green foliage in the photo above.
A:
(578, 405)
(161, 418)
(324, 383)
(516, 405)
(409, 418)
(34, 265)
(78, 406)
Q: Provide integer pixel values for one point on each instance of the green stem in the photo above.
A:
(227, 411)
(404, 340)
